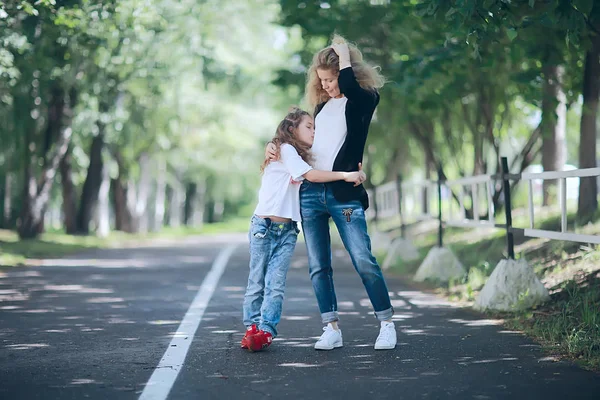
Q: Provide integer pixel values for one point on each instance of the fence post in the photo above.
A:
(439, 190)
(510, 242)
(399, 190)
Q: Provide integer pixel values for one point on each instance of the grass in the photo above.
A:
(569, 324)
(15, 252)
(50, 245)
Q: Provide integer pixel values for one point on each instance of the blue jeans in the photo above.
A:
(271, 247)
(317, 205)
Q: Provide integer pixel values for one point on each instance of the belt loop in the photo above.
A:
(268, 221)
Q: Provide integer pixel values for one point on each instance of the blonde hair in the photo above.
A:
(368, 76)
(286, 133)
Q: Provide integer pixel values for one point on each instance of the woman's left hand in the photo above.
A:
(361, 175)
(343, 52)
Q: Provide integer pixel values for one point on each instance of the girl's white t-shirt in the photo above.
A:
(279, 193)
(330, 133)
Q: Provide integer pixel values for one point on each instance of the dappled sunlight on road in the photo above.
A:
(296, 317)
(348, 313)
(342, 305)
(479, 322)
(488, 361)
(405, 315)
(414, 331)
(36, 311)
(84, 382)
(305, 365)
(97, 308)
(162, 322)
(141, 260)
(23, 346)
(549, 359)
(12, 295)
(426, 300)
(233, 289)
(105, 300)
(77, 289)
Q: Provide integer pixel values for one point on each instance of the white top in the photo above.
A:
(279, 193)
(330, 133)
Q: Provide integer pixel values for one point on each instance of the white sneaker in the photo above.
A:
(387, 336)
(330, 339)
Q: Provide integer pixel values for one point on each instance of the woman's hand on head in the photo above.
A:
(271, 152)
(343, 53)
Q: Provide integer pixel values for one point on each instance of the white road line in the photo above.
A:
(165, 374)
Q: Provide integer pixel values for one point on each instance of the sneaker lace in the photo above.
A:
(327, 332)
(386, 332)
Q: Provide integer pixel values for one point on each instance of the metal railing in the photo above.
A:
(397, 199)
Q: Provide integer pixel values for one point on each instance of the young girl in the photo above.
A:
(274, 230)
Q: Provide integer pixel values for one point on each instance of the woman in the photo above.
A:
(342, 88)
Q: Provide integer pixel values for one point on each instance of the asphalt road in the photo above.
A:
(97, 326)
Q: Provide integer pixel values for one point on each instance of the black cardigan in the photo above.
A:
(359, 111)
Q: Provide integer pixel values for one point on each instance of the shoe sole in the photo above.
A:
(335, 346)
(385, 347)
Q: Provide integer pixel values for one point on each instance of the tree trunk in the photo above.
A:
(36, 192)
(218, 211)
(175, 196)
(424, 191)
(143, 193)
(69, 205)
(588, 191)
(103, 212)
(124, 220)
(553, 125)
(91, 186)
(190, 203)
(123, 217)
(487, 113)
(159, 199)
(7, 211)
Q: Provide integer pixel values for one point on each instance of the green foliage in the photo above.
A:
(184, 81)
(192, 82)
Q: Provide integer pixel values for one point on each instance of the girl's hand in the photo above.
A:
(356, 177)
(271, 152)
(363, 176)
(353, 177)
(343, 52)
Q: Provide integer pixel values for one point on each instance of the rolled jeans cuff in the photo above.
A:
(385, 314)
(329, 317)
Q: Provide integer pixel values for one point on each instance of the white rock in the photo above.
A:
(400, 248)
(440, 264)
(380, 241)
(512, 286)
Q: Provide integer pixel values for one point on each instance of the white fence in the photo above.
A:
(402, 200)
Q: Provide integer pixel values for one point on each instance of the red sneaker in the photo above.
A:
(251, 330)
(259, 341)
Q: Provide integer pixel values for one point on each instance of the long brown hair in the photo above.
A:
(367, 75)
(286, 134)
